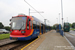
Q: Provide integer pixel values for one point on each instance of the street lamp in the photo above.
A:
(48, 22)
(57, 20)
(67, 19)
(45, 24)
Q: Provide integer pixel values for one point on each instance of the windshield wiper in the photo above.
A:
(21, 26)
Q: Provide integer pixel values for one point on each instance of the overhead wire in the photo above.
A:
(33, 7)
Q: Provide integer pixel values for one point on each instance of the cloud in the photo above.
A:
(6, 13)
(51, 8)
(7, 10)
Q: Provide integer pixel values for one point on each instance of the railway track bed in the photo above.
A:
(6, 41)
(16, 45)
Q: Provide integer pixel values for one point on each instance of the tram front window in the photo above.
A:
(18, 23)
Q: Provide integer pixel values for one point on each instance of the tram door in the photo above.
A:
(28, 26)
(43, 28)
(40, 29)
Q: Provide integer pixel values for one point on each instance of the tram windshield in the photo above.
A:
(18, 23)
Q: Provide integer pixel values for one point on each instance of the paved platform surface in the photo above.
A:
(50, 41)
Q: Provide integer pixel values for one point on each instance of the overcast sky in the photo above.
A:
(51, 9)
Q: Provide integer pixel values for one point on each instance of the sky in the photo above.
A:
(51, 9)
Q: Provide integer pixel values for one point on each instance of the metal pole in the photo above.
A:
(29, 11)
(59, 18)
(62, 13)
(45, 21)
(45, 24)
(62, 18)
(67, 19)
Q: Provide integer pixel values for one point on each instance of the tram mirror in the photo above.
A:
(29, 20)
(27, 24)
(10, 19)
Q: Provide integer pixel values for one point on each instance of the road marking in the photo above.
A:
(30, 43)
(71, 34)
(70, 42)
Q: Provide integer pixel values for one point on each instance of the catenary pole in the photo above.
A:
(62, 13)
(29, 11)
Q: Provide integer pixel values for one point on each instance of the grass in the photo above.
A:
(4, 36)
(72, 29)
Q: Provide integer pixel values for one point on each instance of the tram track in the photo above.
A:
(13, 45)
(17, 45)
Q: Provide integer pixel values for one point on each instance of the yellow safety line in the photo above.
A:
(71, 34)
(30, 43)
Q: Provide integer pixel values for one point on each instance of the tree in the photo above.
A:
(54, 26)
(70, 24)
(73, 25)
(7, 28)
(1, 25)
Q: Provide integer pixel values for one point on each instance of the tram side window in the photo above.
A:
(31, 24)
(42, 26)
(47, 27)
(28, 24)
(38, 25)
(34, 24)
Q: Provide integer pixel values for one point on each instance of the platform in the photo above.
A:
(49, 41)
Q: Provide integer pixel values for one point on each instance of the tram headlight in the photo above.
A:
(22, 31)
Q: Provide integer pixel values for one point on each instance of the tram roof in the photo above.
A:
(38, 20)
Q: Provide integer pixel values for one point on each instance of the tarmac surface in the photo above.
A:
(71, 37)
(72, 32)
(49, 41)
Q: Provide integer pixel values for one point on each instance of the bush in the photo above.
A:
(7, 28)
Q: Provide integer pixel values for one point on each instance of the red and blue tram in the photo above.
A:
(25, 27)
